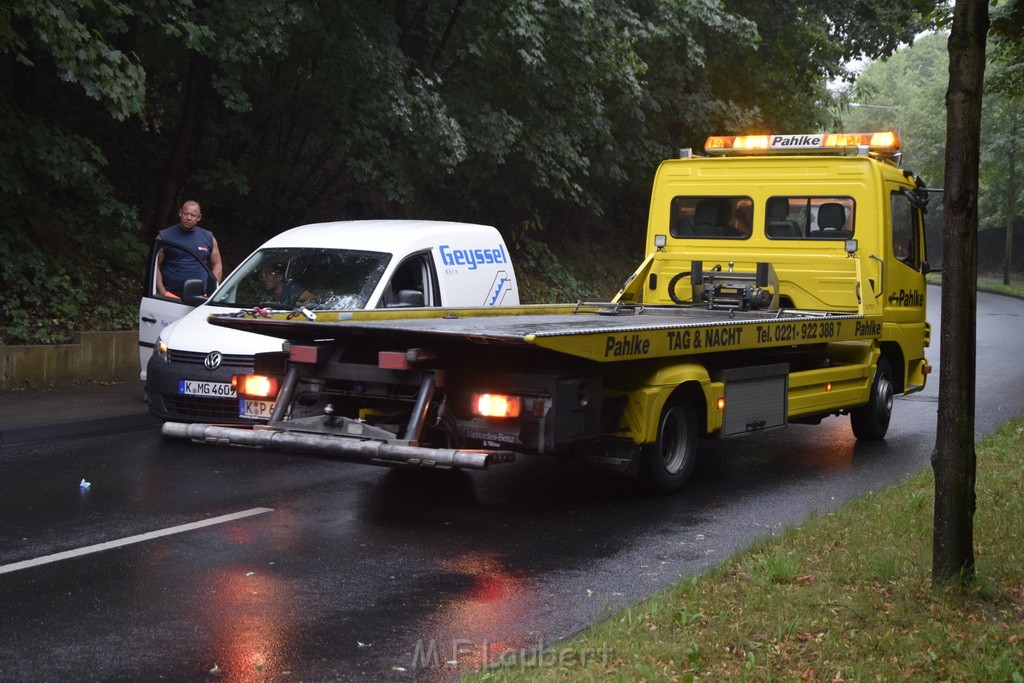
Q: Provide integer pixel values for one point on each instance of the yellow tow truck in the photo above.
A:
(784, 282)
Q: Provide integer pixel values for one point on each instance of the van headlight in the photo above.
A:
(160, 350)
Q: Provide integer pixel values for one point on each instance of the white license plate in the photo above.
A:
(187, 387)
(255, 408)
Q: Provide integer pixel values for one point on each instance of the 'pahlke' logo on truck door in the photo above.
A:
(913, 298)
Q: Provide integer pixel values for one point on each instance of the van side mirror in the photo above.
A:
(409, 298)
(193, 293)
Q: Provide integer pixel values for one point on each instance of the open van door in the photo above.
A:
(156, 311)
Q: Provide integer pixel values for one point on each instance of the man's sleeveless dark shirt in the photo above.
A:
(177, 266)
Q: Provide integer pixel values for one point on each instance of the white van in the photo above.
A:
(188, 364)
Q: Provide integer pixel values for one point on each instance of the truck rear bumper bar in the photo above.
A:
(368, 451)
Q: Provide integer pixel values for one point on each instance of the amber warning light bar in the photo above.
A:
(884, 143)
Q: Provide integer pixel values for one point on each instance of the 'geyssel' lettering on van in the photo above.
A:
(472, 257)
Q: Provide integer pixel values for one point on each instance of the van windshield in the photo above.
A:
(317, 278)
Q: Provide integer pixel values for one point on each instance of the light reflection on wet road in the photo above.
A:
(364, 573)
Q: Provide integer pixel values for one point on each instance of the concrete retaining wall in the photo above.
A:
(94, 356)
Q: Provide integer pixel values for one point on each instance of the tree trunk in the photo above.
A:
(953, 459)
(1011, 196)
(185, 141)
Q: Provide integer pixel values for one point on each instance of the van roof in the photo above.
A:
(390, 235)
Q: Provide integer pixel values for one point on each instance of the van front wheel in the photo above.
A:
(668, 462)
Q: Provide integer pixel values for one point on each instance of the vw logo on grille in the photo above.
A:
(213, 359)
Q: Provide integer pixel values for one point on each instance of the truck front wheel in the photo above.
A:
(870, 422)
(668, 461)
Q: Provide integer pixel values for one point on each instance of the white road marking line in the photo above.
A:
(67, 554)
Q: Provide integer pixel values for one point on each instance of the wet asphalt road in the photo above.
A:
(347, 572)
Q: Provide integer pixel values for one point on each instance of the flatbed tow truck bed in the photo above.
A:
(608, 334)
(600, 332)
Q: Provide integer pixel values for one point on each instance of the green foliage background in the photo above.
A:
(914, 79)
(544, 118)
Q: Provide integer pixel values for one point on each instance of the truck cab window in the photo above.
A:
(903, 232)
(797, 218)
(712, 217)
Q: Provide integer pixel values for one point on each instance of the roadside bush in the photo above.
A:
(588, 271)
(48, 297)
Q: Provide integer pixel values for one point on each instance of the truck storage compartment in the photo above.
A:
(755, 398)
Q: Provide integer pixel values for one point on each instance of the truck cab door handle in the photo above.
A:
(148, 319)
(881, 274)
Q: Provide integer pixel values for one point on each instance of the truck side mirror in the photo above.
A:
(918, 197)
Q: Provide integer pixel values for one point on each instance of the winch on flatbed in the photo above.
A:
(776, 288)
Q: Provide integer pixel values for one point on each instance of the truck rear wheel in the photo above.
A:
(870, 422)
(667, 462)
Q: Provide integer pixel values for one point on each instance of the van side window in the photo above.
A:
(185, 253)
(412, 284)
(903, 246)
(712, 217)
(797, 218)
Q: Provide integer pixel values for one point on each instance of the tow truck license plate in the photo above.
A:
(255, 409)
(187, 387)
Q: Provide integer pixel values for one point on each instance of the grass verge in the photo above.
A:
(991, 283)
(845, 596)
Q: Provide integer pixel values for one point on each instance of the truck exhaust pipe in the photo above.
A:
(368, 451)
